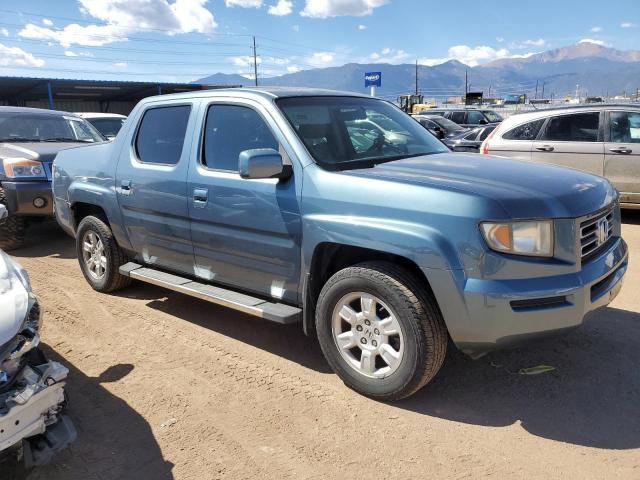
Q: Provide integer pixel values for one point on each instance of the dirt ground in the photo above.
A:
(165, 386)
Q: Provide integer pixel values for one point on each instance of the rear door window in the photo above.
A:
(624, 127)
(526, 131)
(230, 130)
(161, 134)
(457, 117)
(485, 133)
(578, 127)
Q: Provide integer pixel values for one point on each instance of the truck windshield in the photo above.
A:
(352, 132)
(27, 127)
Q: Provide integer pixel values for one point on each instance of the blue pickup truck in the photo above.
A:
(301, 205)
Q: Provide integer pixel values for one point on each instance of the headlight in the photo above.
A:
(533, 238)
(23, 168)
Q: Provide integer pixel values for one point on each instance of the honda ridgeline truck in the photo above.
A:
(295, 205)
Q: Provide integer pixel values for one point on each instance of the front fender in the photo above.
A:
(422, 244)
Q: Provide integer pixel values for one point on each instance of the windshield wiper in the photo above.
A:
(19, 139)
(65, 139)
(378, 161)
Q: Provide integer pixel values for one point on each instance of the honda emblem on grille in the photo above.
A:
(602, 230)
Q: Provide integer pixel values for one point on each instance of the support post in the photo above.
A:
(50, 95)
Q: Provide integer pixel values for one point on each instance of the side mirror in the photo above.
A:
(482, 122)
(262, 163)
(3, 213)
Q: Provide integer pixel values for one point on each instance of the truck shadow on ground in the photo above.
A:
(591, 399)
(114, 441)
(46, 239)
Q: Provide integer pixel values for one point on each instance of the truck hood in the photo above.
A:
(41, 151)
(14, 299)
(523, 189)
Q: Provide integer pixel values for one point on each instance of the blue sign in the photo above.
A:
(373, 79)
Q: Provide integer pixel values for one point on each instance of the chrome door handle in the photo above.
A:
(125, 187)
(545, 148)
(200, 197)
(623, 150)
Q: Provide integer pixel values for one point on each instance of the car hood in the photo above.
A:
(41, 151)
(523, 189)
(14, 299)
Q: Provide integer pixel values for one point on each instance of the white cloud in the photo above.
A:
(283, 7)
(389, 55)
(16, 57)
(591, 40)
(471, 56)
(124, 17)
(362, 27)
(340, 8)
(243, 3)
(69, 53)
(293, 69)
(120, 64)
(245, 61)
(321, 59)
(47, 22)
(4, 32)
(540, 42)
(628, 25)
(499, 39)
(596, 29)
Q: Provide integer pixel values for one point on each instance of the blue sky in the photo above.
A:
(182, 40)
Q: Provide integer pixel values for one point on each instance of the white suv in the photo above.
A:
(600, 139)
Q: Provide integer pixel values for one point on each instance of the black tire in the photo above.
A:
(12, 230)
(112, 279)
(423, 330)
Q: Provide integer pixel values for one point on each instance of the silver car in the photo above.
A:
(601, 139)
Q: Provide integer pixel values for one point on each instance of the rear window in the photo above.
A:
(485, 133)
(161, 134)
(457, 117)
(526, 131)
(579, 127)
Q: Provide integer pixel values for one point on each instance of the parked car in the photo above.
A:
(468, 117)
(441, 127)
(261, 200)
(30, 138)
(32, 424)
(597, 138)
(469, 140)
(108, 124)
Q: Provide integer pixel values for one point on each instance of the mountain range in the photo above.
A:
(594, 69)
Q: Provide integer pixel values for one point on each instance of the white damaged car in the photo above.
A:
(32, 396)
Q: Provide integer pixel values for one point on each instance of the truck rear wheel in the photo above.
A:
(100, 256)
(12, 230)
(380, 330)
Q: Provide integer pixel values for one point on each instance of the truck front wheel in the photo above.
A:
(12, 230)
(100, 256)
(380, 330)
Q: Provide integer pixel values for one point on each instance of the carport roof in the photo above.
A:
(30, 89)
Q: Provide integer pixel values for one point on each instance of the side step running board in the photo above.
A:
(276, 312)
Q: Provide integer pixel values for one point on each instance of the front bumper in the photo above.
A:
(484, 315)
(20, 198)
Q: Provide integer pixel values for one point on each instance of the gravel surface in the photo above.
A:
(165, 386)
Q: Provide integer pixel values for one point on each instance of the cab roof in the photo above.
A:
(263, 92)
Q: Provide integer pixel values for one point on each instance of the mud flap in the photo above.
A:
(39, 450)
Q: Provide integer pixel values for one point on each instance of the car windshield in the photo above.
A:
(109, 127)
(492, 116)
(29, 127)
(352, 132)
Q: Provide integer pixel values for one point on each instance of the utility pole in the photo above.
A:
(577, 97)
(543, 84)
(255, 62)
(536, 90)
(466, 85)
(416, 77)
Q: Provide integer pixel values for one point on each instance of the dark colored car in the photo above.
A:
(469, 117)
(30, 138)
(441, 127)
(470, 140)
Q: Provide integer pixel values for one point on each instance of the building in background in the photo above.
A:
(86, 95)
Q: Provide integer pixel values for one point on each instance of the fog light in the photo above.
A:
(39, 202)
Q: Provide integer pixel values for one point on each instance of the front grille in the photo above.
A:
(595, 233)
